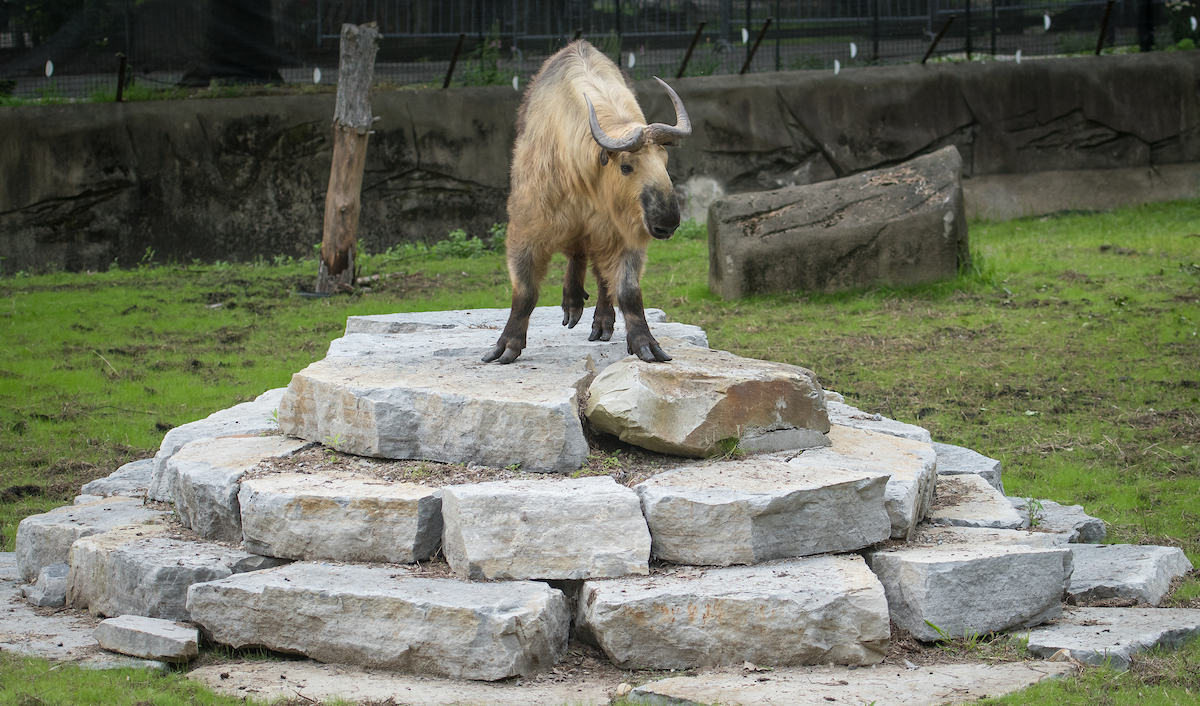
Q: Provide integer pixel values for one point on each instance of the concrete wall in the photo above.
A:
(84, 185)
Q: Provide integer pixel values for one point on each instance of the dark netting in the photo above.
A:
(68, 48)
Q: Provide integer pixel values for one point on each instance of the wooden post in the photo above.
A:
(351, 128)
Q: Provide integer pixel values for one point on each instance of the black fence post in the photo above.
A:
(941, 33)
(454, 59)
(750, 57)
(968, 18)
(875, 30)
(1146, 25)
(691, 47)
(1104, 26)
(993, 29)
(120, 77)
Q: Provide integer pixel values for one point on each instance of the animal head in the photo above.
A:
(635, 166)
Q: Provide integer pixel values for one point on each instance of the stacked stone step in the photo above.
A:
(834, 488)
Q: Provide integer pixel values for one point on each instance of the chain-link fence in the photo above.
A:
(69, 48)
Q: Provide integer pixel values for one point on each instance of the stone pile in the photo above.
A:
(798, 554)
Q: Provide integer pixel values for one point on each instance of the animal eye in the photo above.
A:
(627, 169)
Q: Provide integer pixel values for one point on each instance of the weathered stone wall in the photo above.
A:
(83, 185)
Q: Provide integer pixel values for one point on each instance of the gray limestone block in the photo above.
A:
(148, 638)
(932, 535)
(383, 618)
(956, 460)
(964, 589)
(207, 477)
(752, 510)
(704, 401)
(899, 225)
(85, 499)
(968, 500)
(574, 528)
(911, 466)
(1112, 636)
(47, 538)
(340, 517)
(1069, 519)
(449, 410)
(50, 591)
(813, 610)
(248, 418)
(1130, 571)
(847, 416)
(130, 480)
(141, 572)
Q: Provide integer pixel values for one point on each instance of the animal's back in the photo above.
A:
(552, 124)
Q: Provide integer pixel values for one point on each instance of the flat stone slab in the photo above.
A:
(820, 686)
(50, 591)
(814, 610)
(1130, 571)
(932, 535)
(340, 517)
(249, 419)
(384, 618)
(1113, 635)
(704, 402)
(911, 465)
(1067, 519)
(148, 638)
(47, 538)
(753, 510)
(135, 571)
(449, 410)
(131, 480)
(470, 333)
(206, 479)
(844, 415)
(977, 589)
(956, 460)
(970, 501)
(548, 529)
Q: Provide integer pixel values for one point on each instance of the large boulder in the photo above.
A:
(142, 572)
(899, 226)
(704, 402)
(207, 475)
(814, 610)
(753, 510)
(47, 538)
(340, 518)
(255, 417)
(545, 529)
(955, 590)
(384, 618)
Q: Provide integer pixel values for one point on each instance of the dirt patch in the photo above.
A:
(951, 492)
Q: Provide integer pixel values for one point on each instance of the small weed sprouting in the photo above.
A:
(275, 417)
(1036, 511)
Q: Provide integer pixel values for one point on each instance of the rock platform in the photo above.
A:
(708, 564)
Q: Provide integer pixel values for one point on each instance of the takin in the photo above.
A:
(589, 180)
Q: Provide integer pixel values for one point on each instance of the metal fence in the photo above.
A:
(72, 52)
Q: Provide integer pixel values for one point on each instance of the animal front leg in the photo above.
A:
(526, 271)
(629, 297)
(574, 295)
(605, 318)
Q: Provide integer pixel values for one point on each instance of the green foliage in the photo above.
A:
(482, 66)
(692, 230)
(459, 245)
(1034, 507)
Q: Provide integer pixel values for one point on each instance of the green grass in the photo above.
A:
(1069, 352)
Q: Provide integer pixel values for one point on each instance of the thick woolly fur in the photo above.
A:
(570, 196)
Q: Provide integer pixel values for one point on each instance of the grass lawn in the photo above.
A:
(1069, 352)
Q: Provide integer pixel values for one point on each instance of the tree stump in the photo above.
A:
(351, 129)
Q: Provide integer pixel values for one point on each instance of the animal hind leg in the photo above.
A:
(526, 269)
(629, 297)
(605, 317)
(574, 294)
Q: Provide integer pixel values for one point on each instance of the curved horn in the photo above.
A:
(663, 134)
(630, 144)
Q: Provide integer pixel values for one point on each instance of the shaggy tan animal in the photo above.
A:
(589, 180)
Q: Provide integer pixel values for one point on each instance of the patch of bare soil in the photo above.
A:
(951, 492)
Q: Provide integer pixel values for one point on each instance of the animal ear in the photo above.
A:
(604, 158)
